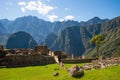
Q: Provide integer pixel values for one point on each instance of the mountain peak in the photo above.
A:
(94, 20)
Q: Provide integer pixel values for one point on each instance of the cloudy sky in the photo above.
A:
(59, 10)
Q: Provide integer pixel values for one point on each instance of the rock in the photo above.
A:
(56, 69)
(75, 71)
(96, 66)
(102, 65)
(55, 74)
(87, 66)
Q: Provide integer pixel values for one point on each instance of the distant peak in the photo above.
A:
(95, 18)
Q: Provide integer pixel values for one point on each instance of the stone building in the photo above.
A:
(21, 51)
(43, 50)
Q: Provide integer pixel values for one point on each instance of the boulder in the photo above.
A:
(75, 71)
(55, 74)
(86, 67)
(96, 66)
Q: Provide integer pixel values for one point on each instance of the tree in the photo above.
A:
(98, 40)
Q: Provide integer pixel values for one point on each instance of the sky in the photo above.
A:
(60, 10)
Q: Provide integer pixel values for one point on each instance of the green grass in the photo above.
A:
(46, 73)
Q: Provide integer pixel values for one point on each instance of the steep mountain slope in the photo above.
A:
(20, 40)
(111, 47)
(3, 38)
(2, 28)
(38, 28)
(3, 35)
(76, 39)
(50, 39)
(6, 23)
(112, 31)
(70, 41)
(70, 36)
(58, 26)
(94, 20)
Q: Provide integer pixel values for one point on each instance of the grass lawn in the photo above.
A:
(46, 73)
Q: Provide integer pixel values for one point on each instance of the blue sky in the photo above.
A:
(59, 10)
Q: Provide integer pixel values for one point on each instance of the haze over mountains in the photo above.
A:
(69, 36)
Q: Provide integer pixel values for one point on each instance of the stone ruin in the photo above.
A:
(21, 51)
(58, 56)
(103, 63)
(56, 53)
(24, 57)
(43, 50)
(15, 60)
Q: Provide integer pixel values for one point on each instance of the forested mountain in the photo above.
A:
(20, 40)
(111, 47)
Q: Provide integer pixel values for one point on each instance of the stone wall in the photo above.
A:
(15, 60)
(76, 60)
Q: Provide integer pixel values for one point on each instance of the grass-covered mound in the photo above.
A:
(46, 73)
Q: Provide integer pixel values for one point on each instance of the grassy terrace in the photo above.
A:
(46, 73)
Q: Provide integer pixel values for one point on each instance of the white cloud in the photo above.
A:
(32, 5)
(23, 9)
(69, 17)
(61, 20)
(22, 3)
(52, 17)
(38, 6)
(44, 9)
